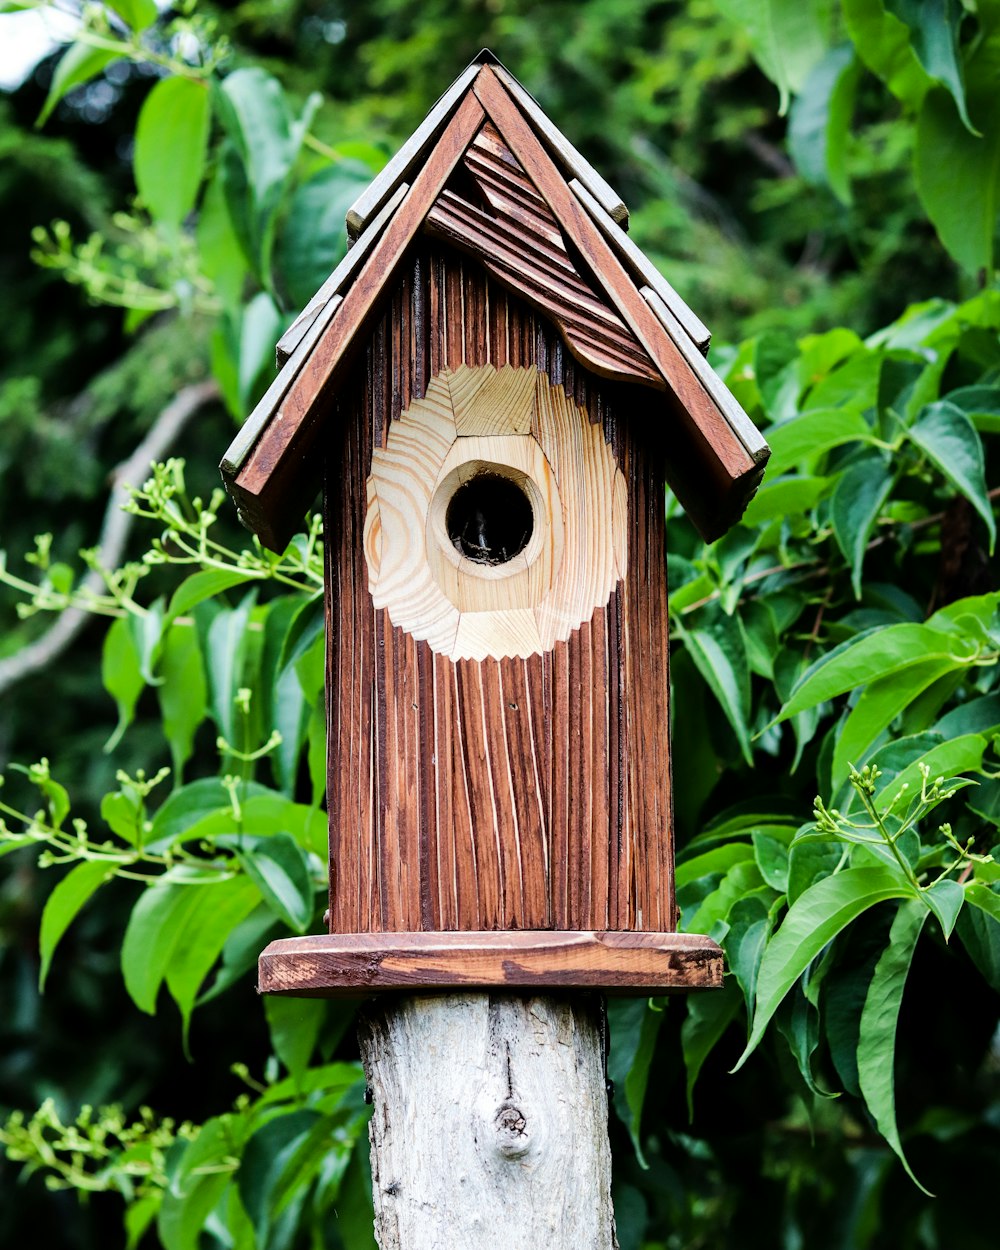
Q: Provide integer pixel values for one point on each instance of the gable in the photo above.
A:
(490, 186)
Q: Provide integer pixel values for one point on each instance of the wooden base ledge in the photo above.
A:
(354, 964)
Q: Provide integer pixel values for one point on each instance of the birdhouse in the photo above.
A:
(493, 390)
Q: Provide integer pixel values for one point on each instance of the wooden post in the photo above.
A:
(490, 1123)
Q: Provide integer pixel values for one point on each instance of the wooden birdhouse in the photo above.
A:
(493, 389)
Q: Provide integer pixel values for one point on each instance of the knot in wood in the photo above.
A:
(513, 1138)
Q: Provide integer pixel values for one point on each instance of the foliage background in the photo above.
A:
(819, 180)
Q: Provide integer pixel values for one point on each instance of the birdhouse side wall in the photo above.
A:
(514, 793)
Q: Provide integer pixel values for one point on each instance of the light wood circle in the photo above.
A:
(511, 424)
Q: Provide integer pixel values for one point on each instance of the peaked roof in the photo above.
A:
(553, 231)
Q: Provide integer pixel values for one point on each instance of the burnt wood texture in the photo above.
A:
(502, 794)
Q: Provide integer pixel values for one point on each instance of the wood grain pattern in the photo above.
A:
(546, 446)
(518, 241)
(528, 793)
(331, 965)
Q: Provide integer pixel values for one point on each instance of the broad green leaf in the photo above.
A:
(980, 934)
(634, 1028)
(883, 43)
(742, 880)
(202, 1170)
(934, 27)
(139, 14)
(985, 899)
(858, 499)
(820, 121)
(221, 909)
(278, 866)
(869, 657)
(193, 802)
(259, 329)
(154, 929)
(201, 586)
(121, 813)
(355, 1212)
(950, 441)
(262, 813)
(853, 384)
(64, 904)
(313, 240)
(798, 1022)
(78, 64)
(171, 140)
(947, 760)
(225, 649)
(771, 855)
(784, 497)
(222, 257)
(718, 650)
(272, 1158)
(749, 929)
(121, 675)
(787, 38)
(811, 434)
(182, 693)
(316, 754)
(813, 920)
(719, 860)
(139, 1216)
(147, 633)
(877, 707)
(877, 1035)
(958, 177)
(294, 1025)
(708, 1017)
(945, 898)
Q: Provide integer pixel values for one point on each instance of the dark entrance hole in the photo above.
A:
(489, 519)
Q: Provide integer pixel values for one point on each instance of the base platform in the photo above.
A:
(357, 964)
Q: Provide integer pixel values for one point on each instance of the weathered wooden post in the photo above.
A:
(493, 388)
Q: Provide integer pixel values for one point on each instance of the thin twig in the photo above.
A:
(115, 530)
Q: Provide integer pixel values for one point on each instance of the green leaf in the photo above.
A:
(947, 760)
(64, 904)
(718, 650)
(206, 929)
(279, 868)
(785, 497)
(272, 1163)
(958, 178)
(877, 1036)
(718, 860)
(139, 14)
(749, 929)
(820, 122)
(883, 43)
(935, 27)
(78, 64)
(868, 657)
(201, 586)
(294, 1025)
(877, 707)
(951, 442)
(985, 899)
(980, 934)
(858, 499)
(771, 855)
(182, 693)
(154, 929)
(945, 898)
(259, 330)
(811, 434)
(313, 240)
(708, 1017)
(787, 38)
(634, 1028)
(813, 920)
(171, 140)
(201, 1171)
(121, 674)
(225, 649)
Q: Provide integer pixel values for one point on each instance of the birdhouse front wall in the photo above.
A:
(498, 708)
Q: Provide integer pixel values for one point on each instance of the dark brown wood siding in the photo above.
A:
(510, 794)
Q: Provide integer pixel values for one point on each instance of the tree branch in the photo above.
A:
(115, 530)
